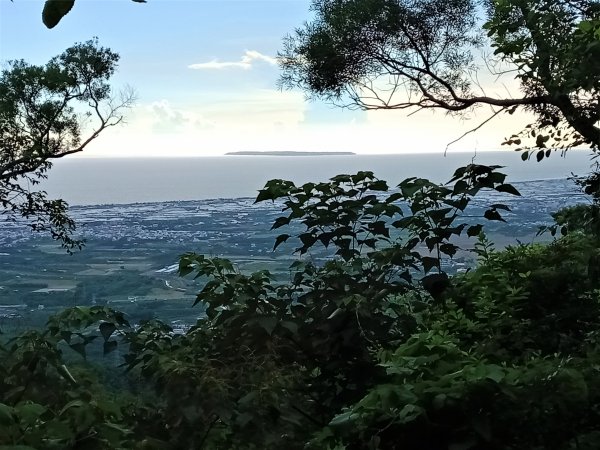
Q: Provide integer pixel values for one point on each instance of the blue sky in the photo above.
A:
(206, 81)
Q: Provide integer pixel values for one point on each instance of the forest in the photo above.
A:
(374, 346)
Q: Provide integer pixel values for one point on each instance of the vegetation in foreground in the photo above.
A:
(375, 349)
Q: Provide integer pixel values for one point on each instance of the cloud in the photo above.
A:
(167, 119)
(249, 58)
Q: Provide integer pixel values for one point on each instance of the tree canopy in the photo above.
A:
(47, 112)
(401, 54)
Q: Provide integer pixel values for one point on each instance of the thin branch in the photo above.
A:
(473, 130)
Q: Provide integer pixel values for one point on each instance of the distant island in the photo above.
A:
(288, 153)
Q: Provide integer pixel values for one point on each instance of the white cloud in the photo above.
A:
(261, 119)
(246, 62)
(167, 119)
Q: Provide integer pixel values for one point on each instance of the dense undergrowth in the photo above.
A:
(377, 348)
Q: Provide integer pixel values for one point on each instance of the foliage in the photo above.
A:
(555, 46)
(508, 363)
(44, 112)
(390, 54)
(45, 405)
(359, 350)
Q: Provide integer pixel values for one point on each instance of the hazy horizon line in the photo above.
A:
(330, 153)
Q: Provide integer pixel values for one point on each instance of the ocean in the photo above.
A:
(95, 181)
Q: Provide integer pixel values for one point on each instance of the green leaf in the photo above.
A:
(343, 419)
(72, 404)
(409, 413)
(495, 373)
(586, 25)
(6, 415)
(55, 10)
(30, 412)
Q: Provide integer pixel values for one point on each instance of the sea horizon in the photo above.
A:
(94, 180)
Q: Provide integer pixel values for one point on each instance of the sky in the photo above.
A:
(205, 77)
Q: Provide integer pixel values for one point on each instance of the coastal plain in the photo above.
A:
(131, 254)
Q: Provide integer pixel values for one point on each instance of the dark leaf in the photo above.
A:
(55, 10)
(279, 222)
(460, 187)
(508, 188)
(379, 228)
(307, 239)
(280, 240)
(448, 249)
(474, 230)
(107, 329)
(539, 155)
(435, 284)
(429, 263)
(492, 214)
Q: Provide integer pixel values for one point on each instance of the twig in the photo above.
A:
(472, 130)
